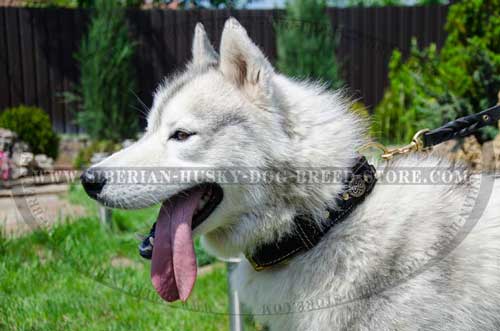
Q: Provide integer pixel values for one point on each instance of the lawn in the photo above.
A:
(81, 275)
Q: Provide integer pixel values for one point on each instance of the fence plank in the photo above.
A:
(354, 34)
(15, 71)
(369, 45)
(146, 76)
(66, 49)
(157, 47)
(182, 43)
(40, 41)
(80, 21)
(268, 31)
(169, 43)
(4, 67)
(441, 20)
(55, 68)
(28, 58)
(404, 30)
(350, 35)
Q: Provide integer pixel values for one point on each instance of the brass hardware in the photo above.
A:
(254, 264)
(357, 187)
(416, 145)
(257, 267)
(375, 145)
(486, 118)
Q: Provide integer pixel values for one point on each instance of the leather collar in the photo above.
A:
(307, 233)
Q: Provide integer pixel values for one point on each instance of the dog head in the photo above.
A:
(218, 114)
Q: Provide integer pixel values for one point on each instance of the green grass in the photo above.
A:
(132, 221)
(83, 276)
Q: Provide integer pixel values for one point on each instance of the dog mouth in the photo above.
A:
(209, 201)
(173, 265)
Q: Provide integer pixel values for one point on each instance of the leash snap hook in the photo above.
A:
(416, 145)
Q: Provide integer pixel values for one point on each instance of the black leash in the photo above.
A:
(426, 139)
(462, 127)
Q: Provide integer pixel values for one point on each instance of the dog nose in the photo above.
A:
(92, 182)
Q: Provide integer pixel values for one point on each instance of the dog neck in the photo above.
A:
(323, 133)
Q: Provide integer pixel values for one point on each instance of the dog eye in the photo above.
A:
(181, 135)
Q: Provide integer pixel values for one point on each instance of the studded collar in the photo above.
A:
(307, 233)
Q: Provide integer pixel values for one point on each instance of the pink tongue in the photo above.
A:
(173, 267)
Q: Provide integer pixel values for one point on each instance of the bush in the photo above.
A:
(305, 44)
(107, 77)
(431, 87)
(82, 160)
(33, 126)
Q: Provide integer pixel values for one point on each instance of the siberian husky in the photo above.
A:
(407, 258)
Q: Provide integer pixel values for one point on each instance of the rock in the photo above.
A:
(44, 163)
(24, 159)
(7, 139)
(4, 166)
(20, 147)
(69, 148)
(98, 157)
(18, 172)
(16, 160)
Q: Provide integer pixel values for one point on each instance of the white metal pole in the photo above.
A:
(235, 318)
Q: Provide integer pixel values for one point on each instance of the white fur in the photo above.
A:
(361, 275)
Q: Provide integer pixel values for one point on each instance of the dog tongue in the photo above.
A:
(173, 266)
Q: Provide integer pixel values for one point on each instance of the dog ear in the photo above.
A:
(242, 62)
(203, 53)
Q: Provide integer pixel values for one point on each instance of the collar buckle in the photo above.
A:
(255, 265)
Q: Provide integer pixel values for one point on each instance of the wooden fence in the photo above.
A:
(37, 48)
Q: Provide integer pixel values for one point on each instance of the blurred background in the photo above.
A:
(76, 83)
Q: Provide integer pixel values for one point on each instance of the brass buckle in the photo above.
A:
(259, 267)
(416, 145)
(254, 264)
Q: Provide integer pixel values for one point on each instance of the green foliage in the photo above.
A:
(432, 2)
(412, 100)
(431, 87)
(33, 126)
(99, 146)
(107, 77)
(202, 257)
(51, 3)
(305, 44)
(370, 3)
